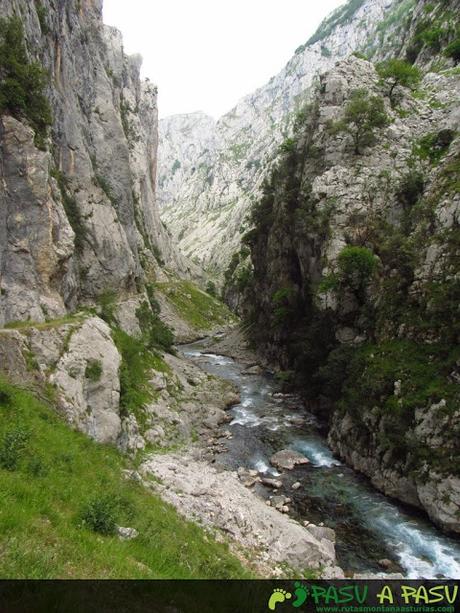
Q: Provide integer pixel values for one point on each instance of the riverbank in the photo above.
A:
(221, 500)
(276, 545)
(71, 509)
(374, 535)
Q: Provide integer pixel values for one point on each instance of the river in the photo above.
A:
(369, 526)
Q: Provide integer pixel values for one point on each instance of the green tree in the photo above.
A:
(356, 267)
(211, 288)
(453, 50)
(398, 72)
(363, 115)
(22, 83)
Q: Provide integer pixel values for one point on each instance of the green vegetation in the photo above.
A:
(341, 16)
(387, 313)
(195, 306)
(93, 371)
(157, 254)
(23, 83)
(128, 128)
(99, 515)
(284, 302)
(139, 355)
(42, 14)
(356, 266)
(136, 363)
(238, 275)
(398, 72)
(52, 323)
(453, 50)
(423, 370)
(449, 177)
(156, 334)
(397, 14)
(411, 188)
(71, 209)
(363, 115)
(235, 260)
(211, 289)
(243, 277)
(61, 495)
(435, 33)
(431, 35)
(107, 303)
(433, 146)
(288, 145)
(13, 445)
(106, 188)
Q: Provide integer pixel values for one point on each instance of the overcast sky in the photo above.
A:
(205, 55)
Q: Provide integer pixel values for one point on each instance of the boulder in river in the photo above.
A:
(278, 502)
(274, 483)
(232, 399)
(254, 370)
(287, 459)
(248, 477)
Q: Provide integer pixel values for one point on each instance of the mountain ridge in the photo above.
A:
(216, 191)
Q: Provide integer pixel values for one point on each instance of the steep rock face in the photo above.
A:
(86, 377)
(353, 283)
(79, 366)
(206, 200)
(80, 236)
(38, 272)
(80, 219)
(185, 141)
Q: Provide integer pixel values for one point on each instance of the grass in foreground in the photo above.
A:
(58, 487)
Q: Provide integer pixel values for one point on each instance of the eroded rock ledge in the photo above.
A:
(218, 499)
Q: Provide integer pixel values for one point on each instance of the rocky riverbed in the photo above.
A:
(260, 531)
(219, 499)
(268, 480)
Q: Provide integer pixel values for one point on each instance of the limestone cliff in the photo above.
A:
(207, 187)
(349, 275)
(84, 259)
(80, 217)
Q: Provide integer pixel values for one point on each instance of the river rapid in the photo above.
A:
(369, 526)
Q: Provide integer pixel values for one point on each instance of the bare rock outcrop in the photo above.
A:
(220, 500)
(80, 219)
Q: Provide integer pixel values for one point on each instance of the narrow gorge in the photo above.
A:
(229, 349)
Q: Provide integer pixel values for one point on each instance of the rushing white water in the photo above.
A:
(421, 552)
(421, 549)
(262, 466)
(316, 452)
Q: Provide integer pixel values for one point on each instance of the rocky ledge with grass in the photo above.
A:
(108, 385)
(111, 386)
(219, 500)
